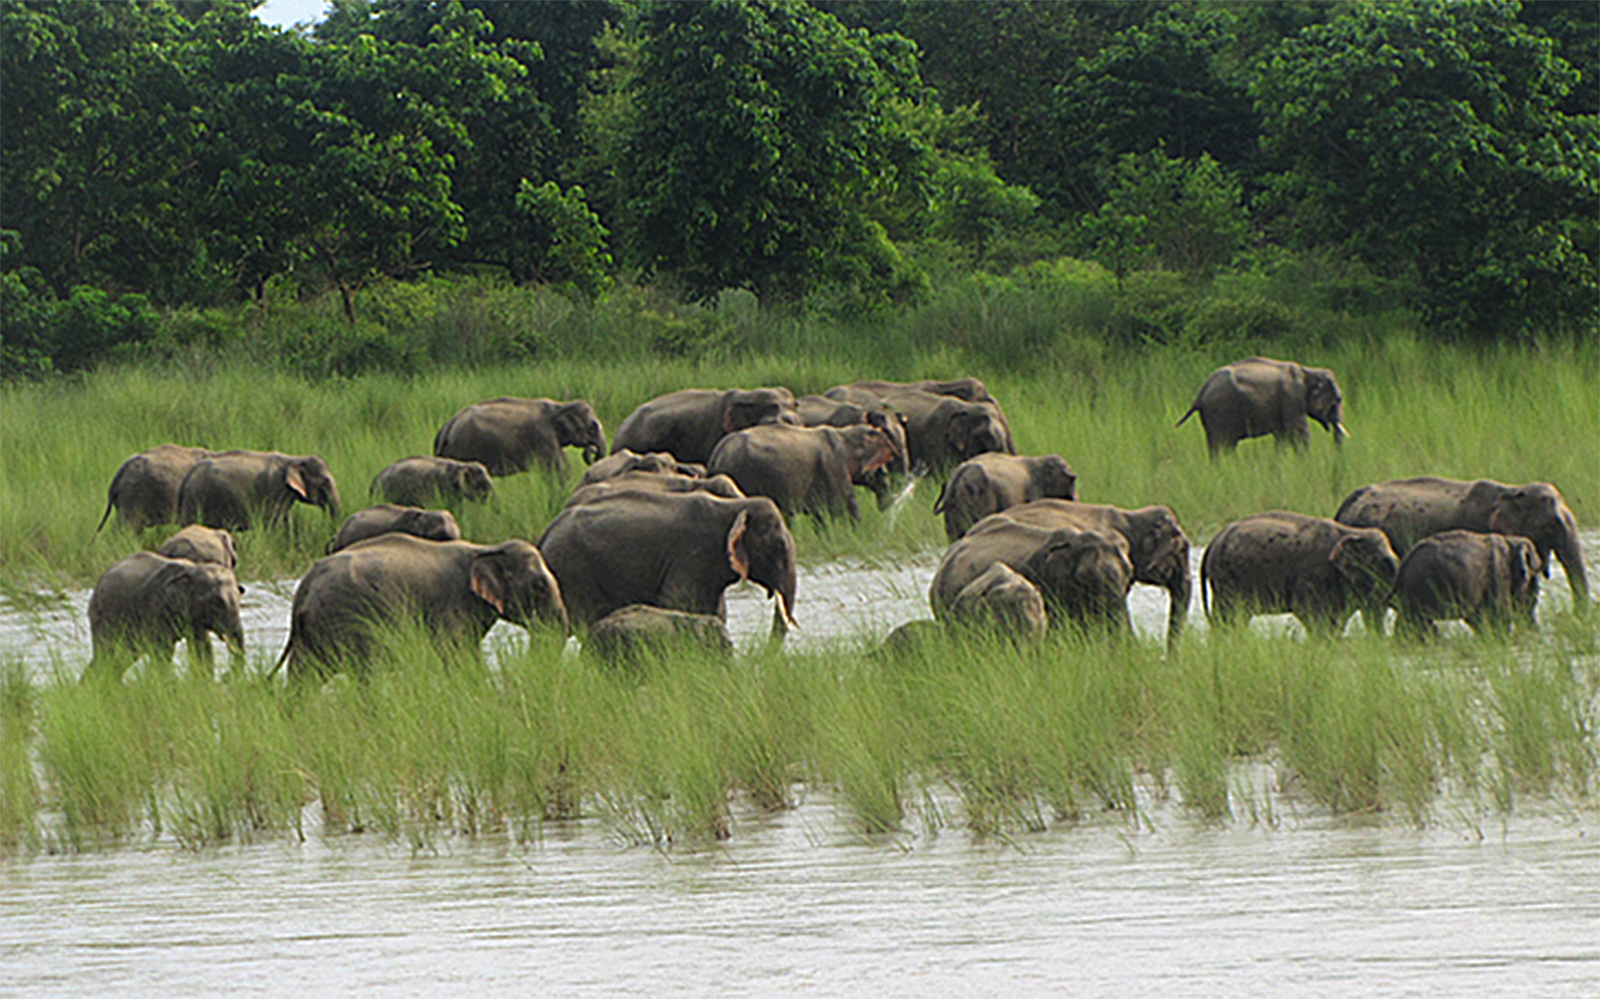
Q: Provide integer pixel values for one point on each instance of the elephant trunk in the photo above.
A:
(1570, 551)
(1178, 590)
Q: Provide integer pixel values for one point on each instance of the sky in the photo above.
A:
(286, 13)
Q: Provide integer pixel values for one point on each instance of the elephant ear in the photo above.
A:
(738, 557)
(296, 481)
(487, 584)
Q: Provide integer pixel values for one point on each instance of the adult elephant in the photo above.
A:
(811, 470)
(690, 422)
(202, 544)
(651, 482)
(624, 461)
(144, 490)
(508, 435)
(1490, 581)
(1082, 575)
(994, 482)
(392, 518)
(673, 550)
(1157, 545)
(941, 430)
(1408, 510)
(455, 589)
(1317, 569)
(425, 479)
(1260, 396)
(233, 488)
(965, 389)
(146, 603)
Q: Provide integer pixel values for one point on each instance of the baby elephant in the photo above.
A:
(146, 603)
(993, 482)
(1001, 599)
(1487, 580)
(434, 525)
(202, 544)
(422, 480)
(628, 636)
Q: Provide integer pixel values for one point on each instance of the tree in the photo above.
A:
(1184, 215)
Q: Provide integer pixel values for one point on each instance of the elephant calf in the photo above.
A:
(1314, 568)
(202, 544)
(810, 470)
(1487, 580)
(146, 603)
(385, 518)
(994, 482)
(624, 461)
(1259, 396)
(652, 482)
(630, 635)
(1001, 599)
(422, 480)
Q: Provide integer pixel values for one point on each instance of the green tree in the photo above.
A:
(1178, 214)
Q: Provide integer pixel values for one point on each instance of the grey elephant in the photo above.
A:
(426, 479)
(690, 422)
(673, 550)
(965, 389)
(144, 491)
(820, 411)
(232, 489)
(1490, 581)
(146, 603)
(630, 635)
(993, 482)
(651, 482)
(623, 461)
(1003, 600)
(509, 435)
(1083, 576)
(1317, 569)
(386, 518)
(1408, 510)
(941, 430)
(456, 590)
(202, 544)
(1157, 545)
(812, 470)
(1260, 396)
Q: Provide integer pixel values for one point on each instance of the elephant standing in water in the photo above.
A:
(421, 480)
(1003, 599)
(455, 589)
(689, 423)
(508, 435)
(991, 483)
(1259, 396)
(1491, 581)
(674, 550)
(146, 603)
(386, 518)
(1317, 569)
(144, 491)
(1408, 510)
(232, 488)
(810, 470)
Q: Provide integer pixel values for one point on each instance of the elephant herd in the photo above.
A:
(697, 492)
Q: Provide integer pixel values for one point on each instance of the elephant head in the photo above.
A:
(1325, 403)
(471, 479)
(1539, 513)
(973, 428)
(744, 408)
(893, 424)
(512, 578)
(1159, 551)
(1523, 577)
(1365, 558)
(576, 425)
(1084, 576)
(867, 450)
(761, 550)
(1001, 598)
(310, 480)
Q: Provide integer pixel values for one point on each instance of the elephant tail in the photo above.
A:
(111, 501)
(1194, 407)
(288, 647)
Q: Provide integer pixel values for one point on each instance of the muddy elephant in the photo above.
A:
(1259, 396)
(1317, 569)
(456, 590)
(387, 518)
(1490, 581)
(232, 489)
(509, 435)
(1004, 601)
(202, 544)
(426, 479)
(1408, 510)
(1083, 576)
(624, 461)
(651, 482)
(812, 470)
(146, 603)
(631, 635)
(144, 491)
(689, 423)
(990, 483)
(1157, 545)
(673, 550)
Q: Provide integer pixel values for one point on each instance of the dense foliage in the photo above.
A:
(163, 154)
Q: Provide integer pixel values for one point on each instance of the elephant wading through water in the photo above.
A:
(1317, 569)
(1490, 581)
(509, 435)
(231, 489)
(689, 423)
(146, 603)
(810, 470)
(674, 550)
(1260, 396)
(991, 483)
(386, 518)
(144, 492)
(455, 589)
(421, 480)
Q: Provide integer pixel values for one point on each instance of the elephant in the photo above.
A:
(1491, 581)
(994, 482)
(230, 489)
(1083, 576)
(1408, 510)
(455, 589)
(421, 480)
(812, 470)
(916, 639)
(1317, 569)
(508, 435)
(623, 461)
(1004, 600)
(146, 603)
(965, 389)
(629, 635)
(714, 485)
(689, 423)
(386, 518)
(144, 491)
(1157, 545)
(673, 550)
(941, 430)
(202, 544)
(1260, 396)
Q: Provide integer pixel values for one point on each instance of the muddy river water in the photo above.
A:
(1306, 904)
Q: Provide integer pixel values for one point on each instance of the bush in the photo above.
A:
(1252, 319)
(1155, 307)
